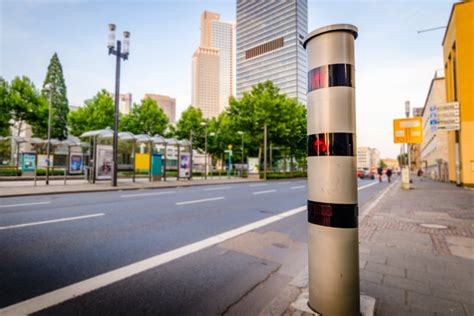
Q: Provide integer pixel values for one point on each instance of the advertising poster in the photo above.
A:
(76, 162)
(43, 160)
(28, 162)
(184, 165)
(59, 160)
(142, 162)
(253, 165)
(156, 165)
(104, 162)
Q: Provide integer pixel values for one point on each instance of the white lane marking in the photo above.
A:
(24, 204)
(66, 219)
(218, 188)
(200, 201)
(257, 185)
(298, 187)
(366, 210)
(367, 185)
(74, 290)
(283, 182)
(263, 192)
(146, 194)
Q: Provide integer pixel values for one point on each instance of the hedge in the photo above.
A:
(284, 175)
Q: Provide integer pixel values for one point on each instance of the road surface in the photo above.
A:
(204, 250)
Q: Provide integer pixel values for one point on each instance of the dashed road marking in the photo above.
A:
(66, 219)
(200, 201)
(25, 204)
(264, 192)
(146, 194)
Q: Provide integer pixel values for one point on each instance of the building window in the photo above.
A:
(264, 48)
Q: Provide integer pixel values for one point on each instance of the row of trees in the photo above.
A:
(285, 119)
(21, 101)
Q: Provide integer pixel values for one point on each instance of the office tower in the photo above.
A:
(166, 103)
(270, 45)
(212, 78)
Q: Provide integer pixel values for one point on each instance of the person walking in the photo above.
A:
(389, 175)
(380, 173)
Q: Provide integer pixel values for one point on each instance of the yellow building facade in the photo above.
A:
(458, 51)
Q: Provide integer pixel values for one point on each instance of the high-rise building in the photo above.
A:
(213, 66)
(270, 45)
(125, 102)
(166, 103)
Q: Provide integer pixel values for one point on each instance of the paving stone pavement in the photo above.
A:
(417, 251)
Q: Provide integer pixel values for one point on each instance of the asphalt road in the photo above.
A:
(226, 249)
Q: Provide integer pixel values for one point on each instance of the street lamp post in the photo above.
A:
(120, 54)
(242, 164)
(50, 87)
(205, 149)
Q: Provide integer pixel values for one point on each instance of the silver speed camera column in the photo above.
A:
(332, 172)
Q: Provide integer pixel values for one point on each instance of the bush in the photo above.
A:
(42, 172)
(9, 172)
(284, 175)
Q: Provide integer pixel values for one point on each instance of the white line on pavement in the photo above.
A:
(366, 210)
(298, 187)
(66, 219)
(66, 293)
(257, 185)
(283, 182)
(263, 192)
(367, 185)
(146, 194)
(24, 204)
(200, 201)
(218, 188)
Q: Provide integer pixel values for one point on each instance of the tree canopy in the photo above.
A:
(60, 104)
(265, 105)
(98, 113)
(190, 122)
(145, 118)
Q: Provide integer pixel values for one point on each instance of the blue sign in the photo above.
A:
(432, 108)
(433, 122)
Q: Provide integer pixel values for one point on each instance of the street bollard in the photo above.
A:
(333, 249)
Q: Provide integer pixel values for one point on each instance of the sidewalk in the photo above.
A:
(416, 253)
(26, 188)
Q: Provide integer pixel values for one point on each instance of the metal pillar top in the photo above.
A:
(331, 28)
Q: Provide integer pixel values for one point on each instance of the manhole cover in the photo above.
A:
(436, 226)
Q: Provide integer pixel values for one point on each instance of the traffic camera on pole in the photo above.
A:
(332, 179)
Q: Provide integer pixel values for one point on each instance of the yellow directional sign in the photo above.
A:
(230, 146)
(408, 130)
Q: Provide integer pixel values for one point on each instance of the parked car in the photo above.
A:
(366, 173)
(359, 173)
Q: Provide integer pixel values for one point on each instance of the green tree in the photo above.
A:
(55, 78)
(190, 121)
(4, 108)
(27, 105)
(145, 118)
(98, 113)
(382, 164)
(265, 105)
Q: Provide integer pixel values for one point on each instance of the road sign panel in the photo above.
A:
(408, 130)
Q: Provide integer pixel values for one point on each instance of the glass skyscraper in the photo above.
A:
(270, 45)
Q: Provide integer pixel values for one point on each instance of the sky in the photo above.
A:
(394, 63)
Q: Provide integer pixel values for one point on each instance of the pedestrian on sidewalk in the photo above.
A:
(389, 175)
(380, 173)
